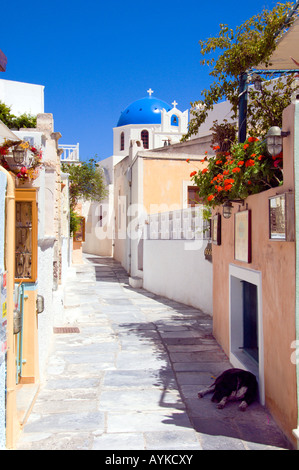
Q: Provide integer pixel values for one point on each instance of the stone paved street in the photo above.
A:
(128, 378)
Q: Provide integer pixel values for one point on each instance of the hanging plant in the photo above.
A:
(246, 169)
(21, 158)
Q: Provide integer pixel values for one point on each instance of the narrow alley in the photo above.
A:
(124, 372)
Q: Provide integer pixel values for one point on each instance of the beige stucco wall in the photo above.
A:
(165, 183)
(276, 262)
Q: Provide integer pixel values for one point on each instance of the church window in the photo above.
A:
(174, 120)
(144, 138)
(122, 141)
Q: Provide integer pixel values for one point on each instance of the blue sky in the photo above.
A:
(95, 58)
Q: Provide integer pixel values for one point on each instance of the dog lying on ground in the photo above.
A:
(233, 384)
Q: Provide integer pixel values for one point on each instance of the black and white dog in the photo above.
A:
(233, 384)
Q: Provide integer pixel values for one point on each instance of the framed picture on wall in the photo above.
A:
(243, 236)
(216, 229)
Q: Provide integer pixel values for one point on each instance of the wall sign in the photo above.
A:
(243, 236)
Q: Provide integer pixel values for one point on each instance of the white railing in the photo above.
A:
(185, 224)
(70, 153)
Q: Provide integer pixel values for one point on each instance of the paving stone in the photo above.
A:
(167, 420)
(119, 441)
(139, 379)
(62, 422)
(175, 440)
(139, 400)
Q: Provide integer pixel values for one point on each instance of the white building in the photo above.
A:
(22, 97)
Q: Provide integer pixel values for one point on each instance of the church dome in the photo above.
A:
(144, 111)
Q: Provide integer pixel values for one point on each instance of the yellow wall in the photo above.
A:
(30, 368)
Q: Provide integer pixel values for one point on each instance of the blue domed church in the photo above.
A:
(151, 123)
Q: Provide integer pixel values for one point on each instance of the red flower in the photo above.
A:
(253, 139)
(193, 173)
(260, 157)
(245, 146)
(241, 163)
(236, 170)
(204, 170)
(23, 170)
(218, 162)
(188, 160)
(216, 147)
(3, 150)
(211, 197)
(226, 172)
(249, 162)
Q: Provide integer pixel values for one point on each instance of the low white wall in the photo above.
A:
(178, 270)
(45, 288)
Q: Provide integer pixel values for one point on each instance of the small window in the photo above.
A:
(144, 138)
(174, 120)
(193, 197)
(122, 141)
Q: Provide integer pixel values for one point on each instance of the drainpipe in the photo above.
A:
(11, 411)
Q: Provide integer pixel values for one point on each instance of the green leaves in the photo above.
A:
(251, 44)
(14, 122)
(87, 181)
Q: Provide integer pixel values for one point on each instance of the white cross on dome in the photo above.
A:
(174, 103)
(150, 91)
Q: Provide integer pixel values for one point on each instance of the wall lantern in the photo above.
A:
(18, 155)
(40, 304)
(257, 81)
(274, 140)
(227, 209)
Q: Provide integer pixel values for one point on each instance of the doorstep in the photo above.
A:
(25, 398)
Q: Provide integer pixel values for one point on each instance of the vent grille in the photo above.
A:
(65, 329)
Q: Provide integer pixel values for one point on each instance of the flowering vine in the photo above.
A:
(245, 169)
(24, 171)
